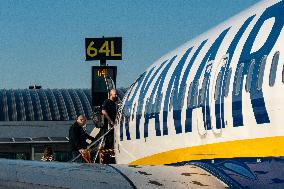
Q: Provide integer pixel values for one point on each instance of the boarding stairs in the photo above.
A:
(99, 143)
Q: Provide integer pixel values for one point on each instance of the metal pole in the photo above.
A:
(102, 62)
(32, 153)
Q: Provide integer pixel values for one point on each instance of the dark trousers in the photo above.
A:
(109, 143)
(75, 153)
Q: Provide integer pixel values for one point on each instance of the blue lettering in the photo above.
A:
(144, 90)
(158, 90)
(188, 120)
(210, 55)
(176, 95)
(220, 118)
(256, 95)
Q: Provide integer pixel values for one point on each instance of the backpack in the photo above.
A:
(98, 117)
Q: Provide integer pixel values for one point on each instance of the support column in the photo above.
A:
(32, 153)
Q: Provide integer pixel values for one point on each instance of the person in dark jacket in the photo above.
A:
(78, 137)
(109, 110)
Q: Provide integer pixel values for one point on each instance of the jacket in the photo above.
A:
(78, 137)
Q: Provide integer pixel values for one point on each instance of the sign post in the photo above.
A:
(99, 76)
(103, 49)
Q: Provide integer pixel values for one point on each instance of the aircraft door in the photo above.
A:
(202, 116)
(216, 94)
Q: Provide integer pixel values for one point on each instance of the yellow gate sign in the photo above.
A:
(109, 48)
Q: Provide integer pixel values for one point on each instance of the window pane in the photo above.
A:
(228, 79)
(147, 106)
(152, 107)
(239, 77)
(155, 105)
(189, 96)
(217, 86)
(261, 73)
(273, 69)
(192, 94)
(195, 93)
(202, 91)
(132, 116)
(249, 75)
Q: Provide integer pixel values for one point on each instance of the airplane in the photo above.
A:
(211, 108)
(217, 98)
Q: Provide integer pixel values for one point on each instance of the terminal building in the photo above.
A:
(31, 119)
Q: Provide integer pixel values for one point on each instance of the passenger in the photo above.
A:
(109, 111)
(77, 139)
(47, 154)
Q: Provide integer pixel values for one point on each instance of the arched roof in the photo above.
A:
(46, 104)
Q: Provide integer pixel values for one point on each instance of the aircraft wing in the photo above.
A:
(16, 174)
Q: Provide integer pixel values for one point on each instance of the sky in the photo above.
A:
(43, 42)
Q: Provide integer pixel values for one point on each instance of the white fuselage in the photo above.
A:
(217, 96)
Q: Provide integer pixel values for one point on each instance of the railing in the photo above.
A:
(98, 143)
